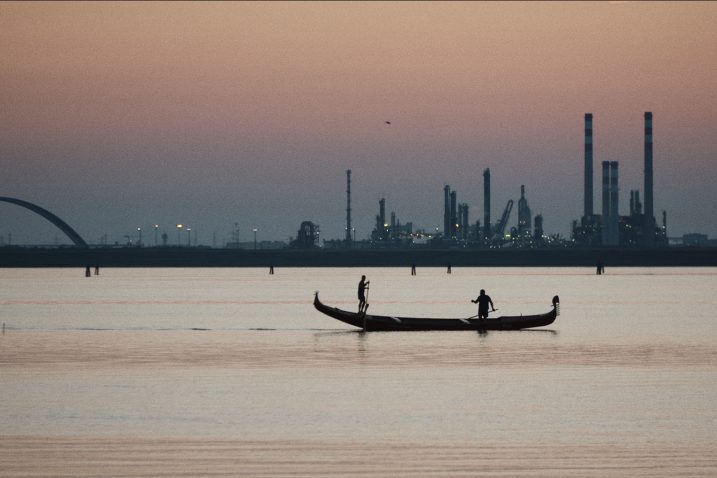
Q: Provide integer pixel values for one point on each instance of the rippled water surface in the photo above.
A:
(225, 372)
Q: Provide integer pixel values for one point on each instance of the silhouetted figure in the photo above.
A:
(87, 272)
(413, 269)
(271, 270)
(97, 270)
(362, 288)
(483, 301)
(449, 269)
(600, 268)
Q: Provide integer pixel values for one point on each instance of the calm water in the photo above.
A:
(226, 372)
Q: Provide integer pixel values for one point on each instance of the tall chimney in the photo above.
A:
(382, 217)
(605, 202)
(632, 202)
(348, 207)
(464, 222)
(649, 212)
(392, 230)
(447, 211)
(614, 212)
(588, 202)
(454, 214)
(486, 204)
(610, 212)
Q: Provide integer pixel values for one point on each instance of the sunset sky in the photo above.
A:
(116, 116)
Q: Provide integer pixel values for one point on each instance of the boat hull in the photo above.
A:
(372, 323)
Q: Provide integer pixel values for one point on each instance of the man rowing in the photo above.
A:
(362, 288)
(483, 301)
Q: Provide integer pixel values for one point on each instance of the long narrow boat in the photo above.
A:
(371, 322)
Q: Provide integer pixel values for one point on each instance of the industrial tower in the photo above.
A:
(487, 233)
(649, 220)
(348, 207)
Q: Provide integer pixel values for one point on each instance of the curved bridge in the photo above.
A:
(62, 225)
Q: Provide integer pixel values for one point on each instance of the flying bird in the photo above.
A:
(387, 122)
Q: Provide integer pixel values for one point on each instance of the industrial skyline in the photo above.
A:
(240, 119)
(607, 228)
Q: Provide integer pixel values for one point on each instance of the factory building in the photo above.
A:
(307, 236)
(524, 216)
(463, 224)
(455, 216)
(538, 236)
(381, 231)
(390, 232)
(610, 229)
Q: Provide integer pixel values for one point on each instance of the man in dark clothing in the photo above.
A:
(483, 300)
(362, 287)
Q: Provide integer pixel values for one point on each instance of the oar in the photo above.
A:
(365, 308)
(474, 316)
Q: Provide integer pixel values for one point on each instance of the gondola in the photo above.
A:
(372, 323)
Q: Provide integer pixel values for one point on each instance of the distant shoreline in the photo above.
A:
(209, 257)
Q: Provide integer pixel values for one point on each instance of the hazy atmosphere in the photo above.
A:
(119, 116)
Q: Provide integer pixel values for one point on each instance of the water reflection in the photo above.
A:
(140, 373)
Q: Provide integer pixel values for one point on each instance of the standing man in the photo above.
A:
(362, 288)
(483, 300)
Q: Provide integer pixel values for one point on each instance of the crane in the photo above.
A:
(499, 230)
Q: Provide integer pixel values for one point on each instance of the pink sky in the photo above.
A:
(123, 115)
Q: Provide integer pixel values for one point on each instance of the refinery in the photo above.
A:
(632, 239)
(606, 229)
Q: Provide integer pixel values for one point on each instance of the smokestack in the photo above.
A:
(392, 231)
(524, 216)
(382, 211)
(486, 204)
(635, 204)
(538, 227)
(614, 213)
(454, 214)
(348, 207)
(648, 233)
(649, 212)
(446, 211)
(605, 202)
(588, 203)
(463, 221)
(610, 217)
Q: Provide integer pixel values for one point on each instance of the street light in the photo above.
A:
(189, 237)
(139, 243)
(156, 228)
(179, 234)
(255, 229)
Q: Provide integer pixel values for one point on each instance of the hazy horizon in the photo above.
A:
(125, 115)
